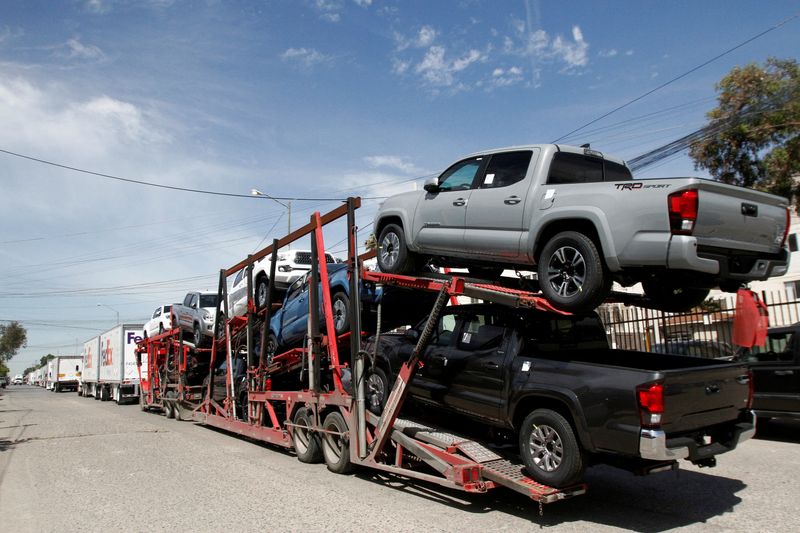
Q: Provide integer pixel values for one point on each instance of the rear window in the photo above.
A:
(568, 167)
(564, 333)
(208, 300)
(167, 308)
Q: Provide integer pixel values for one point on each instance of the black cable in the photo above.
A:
(175, 188)
(698, 67)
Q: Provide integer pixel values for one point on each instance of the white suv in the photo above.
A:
(160, 322)
(291, 265)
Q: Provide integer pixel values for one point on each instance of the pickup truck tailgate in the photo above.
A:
(703, 396)
(738, 218)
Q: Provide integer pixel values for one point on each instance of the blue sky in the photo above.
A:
(316, 98)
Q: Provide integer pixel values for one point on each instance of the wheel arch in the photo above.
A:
(581, 224)
(386, 220)
(561, 404)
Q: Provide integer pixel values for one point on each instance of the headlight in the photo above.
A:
(207, 315)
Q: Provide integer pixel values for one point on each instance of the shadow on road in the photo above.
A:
(615, 498)
(779, 430)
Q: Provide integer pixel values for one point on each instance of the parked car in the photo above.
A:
(581, 221)
(697, 348)
(552, 382)
(290, 266)
(776, 373)
(160, 322)
(289, 324)
(17, 380)
(196, 314)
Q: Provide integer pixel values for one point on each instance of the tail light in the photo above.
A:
(651, 404)
(682, 211)
(786, 231)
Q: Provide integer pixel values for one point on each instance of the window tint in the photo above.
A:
(481, 332)
(574, 168)
(208, 300)
(460, 176)
(238, 277)
(567, 333)
(577, 168)
(616, 172)
(167, 308)
(444, 331)
(506, 169)
(187, 301)
(157, 313)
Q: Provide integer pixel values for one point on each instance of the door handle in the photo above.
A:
(441, 358)
(512, 200)
(459, 202)
(784, 372)
(491, 364)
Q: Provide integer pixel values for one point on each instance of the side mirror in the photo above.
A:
(431, 185)
(412, 335)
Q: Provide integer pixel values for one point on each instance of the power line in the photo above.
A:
(698, 67)
(174, 187)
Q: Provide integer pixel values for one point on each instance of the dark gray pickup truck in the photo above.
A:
(569, 399)
(776, 373)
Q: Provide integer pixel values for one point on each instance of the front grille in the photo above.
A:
(302, 258)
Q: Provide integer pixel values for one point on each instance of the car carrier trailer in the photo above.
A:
(324, 416)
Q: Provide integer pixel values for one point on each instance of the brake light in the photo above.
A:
(682, 211)
(651, 403)
(786, 231)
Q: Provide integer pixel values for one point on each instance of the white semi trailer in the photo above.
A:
(63, 372)
(119, 377)
(91, 368)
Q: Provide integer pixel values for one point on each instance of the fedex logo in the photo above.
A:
(108, 353)
(132, 337)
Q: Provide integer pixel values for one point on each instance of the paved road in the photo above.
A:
(69, 463)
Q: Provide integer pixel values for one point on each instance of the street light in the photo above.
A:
(256, 192)
(104, 305)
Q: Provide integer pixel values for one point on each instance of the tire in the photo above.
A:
(220, 327)
(262, 290)
(306, 442)
(393, 255)
(55, 387)
(169, 409)
(340, 305)
(571, 273)
(272, 346)
(668, 296)
(549, 449)
(336, 448)
(197, 336)
(376, 390)
(491, 273)
(142, 403)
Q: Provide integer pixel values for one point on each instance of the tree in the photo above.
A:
(12, 337)
(754, 132)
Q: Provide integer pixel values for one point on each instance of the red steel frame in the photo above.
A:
(374, 442)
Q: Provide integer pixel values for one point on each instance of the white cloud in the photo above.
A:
(629, 53)
(422, 39)
(305, 57)
(607, 53)
(572, 53)
(540, 46)
(439, 71)
(331, 17)
(330, 10)
(7, 34)
(363, 3)
(393, 162)
(400, 67)
(75, 49)
(504, 77)
(98, 6)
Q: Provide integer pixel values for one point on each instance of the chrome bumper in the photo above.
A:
(653, 442)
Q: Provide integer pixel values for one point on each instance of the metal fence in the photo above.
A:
(702, 333)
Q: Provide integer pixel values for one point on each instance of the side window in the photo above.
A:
(157, 313)
(480, 333)
(444, 331)
(460, 176)
(506, 169)
(567, 167)
(188, 300)
(193, 302)
(239, 276)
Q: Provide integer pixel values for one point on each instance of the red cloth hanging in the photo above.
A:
(750, 321)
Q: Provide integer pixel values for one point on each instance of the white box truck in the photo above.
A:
(119, 375)
(91, 368)
(63, 372)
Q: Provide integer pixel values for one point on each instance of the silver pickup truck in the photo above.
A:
(580, 221)
(196, 314)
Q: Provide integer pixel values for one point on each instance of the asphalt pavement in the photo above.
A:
(74, 464)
